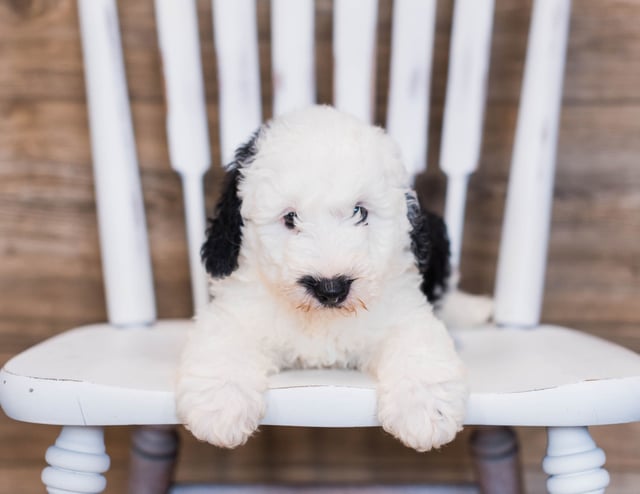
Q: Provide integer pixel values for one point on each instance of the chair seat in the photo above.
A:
(98, 375)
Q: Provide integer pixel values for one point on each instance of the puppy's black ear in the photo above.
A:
(430, 246)
(224, 233)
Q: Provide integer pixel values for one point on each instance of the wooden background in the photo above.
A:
(50, 276)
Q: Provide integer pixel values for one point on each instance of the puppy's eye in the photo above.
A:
(289, 220)
(361, 213)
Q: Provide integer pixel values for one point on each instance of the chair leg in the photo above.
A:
(495, 457)
(153, 457)
(574, 462)
(76, 461)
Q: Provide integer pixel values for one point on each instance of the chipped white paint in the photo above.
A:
(187, 129)
(574, 462)
(410, 79)
(525, 231)
(123, 235)
(235, 33)
(354, 51)
(292, 54)
(462, 124)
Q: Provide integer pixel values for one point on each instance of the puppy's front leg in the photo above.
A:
(422, 387)
(221, 383)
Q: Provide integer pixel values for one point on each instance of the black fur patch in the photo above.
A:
(221, 248)
(246, 152)
(430, 246)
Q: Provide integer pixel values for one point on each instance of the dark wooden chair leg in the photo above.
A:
(154, 452)
(495, 458)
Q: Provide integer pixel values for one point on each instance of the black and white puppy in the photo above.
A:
(320, 256)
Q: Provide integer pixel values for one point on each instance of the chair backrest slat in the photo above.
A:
(124, 245)
(187, 128)
(410, 79)
(292, 54)
(525, 233)
(354, 43)
(462, 124)
(236, 40)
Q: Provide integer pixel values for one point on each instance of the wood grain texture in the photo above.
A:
(50, 276)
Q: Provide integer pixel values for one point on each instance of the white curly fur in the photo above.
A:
(320, 163)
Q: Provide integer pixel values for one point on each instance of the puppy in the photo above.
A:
(319, 256)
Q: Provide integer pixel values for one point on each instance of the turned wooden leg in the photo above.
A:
(153, 457)
(76, 461)
(574, 462)
(495, 457)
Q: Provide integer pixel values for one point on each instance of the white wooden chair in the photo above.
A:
(522, 373)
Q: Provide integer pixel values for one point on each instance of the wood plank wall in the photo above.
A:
(50, 276)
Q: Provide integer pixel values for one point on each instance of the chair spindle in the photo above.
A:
(469, 56)
(292, 54)
(236, 38)
(187, 129)
(124, 245)
(354, 51)
(410, 79)
(525, 232)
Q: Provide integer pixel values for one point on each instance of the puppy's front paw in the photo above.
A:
(223, 414)
(422, 415)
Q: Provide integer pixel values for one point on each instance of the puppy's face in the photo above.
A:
(322, 205)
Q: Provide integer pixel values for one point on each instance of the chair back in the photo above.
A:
(125, 252)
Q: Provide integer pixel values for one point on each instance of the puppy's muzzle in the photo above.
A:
(330, 292)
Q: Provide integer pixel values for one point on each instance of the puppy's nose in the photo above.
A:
(330, 292)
